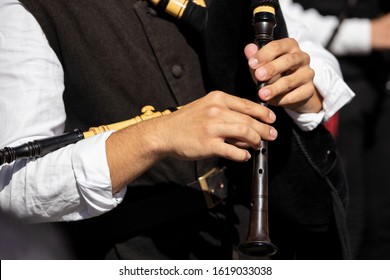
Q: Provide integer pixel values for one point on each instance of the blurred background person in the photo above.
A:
(358, 33)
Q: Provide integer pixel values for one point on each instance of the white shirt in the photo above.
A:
(74, 182)
(353, 37)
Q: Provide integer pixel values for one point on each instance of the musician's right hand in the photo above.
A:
(218, 124)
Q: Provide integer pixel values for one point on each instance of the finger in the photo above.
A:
(246, 134)
(231, 116)
(296, 98)
(250, 50)
(239, 105)
(300, 79)
(237, 143)
(275, 49)
(231, 152)
(285, 63)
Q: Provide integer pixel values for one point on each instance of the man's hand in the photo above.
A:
(216, 125)
(287, 69)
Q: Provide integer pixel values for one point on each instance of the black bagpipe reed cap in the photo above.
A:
(281, 29)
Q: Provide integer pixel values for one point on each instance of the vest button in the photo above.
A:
(177, 70)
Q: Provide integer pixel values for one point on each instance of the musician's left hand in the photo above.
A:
(290, 78)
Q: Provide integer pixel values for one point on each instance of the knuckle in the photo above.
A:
(216, 94)
(247, 105)
(289, 83)
(306, 57)
(296, 60)
(311, 89)
(293, 42)
(242, 129)
(277, 46)
(311, 73)
(271, 69)
(213, 111)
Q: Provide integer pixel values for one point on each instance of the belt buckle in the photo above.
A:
(207, 192)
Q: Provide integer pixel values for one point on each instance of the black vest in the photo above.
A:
(103, 81)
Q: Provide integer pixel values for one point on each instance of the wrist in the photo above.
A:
(313, 105)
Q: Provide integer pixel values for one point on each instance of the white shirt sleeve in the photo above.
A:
(353, 37)
(69, 184)
(328, 78)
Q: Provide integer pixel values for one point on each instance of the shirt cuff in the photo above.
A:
(335, 92)
(332, 87)
(306, 121)
(93, 176)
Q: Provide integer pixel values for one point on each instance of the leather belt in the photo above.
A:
(213, 185)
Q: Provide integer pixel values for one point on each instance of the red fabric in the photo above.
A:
(333, 124)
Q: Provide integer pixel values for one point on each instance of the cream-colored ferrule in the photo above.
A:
(267, 9)
(147, 114)
(176, 8)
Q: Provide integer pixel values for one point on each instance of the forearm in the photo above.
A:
(130, 152)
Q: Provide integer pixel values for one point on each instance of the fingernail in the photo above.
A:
(264, 93)
(248, 156)
(253, 62)
(272, 116)
(261, 73)
(273, 132)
